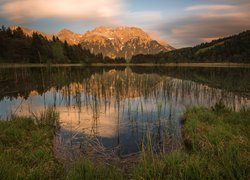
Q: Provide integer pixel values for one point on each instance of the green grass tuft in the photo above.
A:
(85, 169)
(26, 148)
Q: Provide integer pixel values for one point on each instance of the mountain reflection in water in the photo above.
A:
(117, 106)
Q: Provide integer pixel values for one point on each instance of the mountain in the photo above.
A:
(29, 32)
(69, 36)
(121, 42)
(113, 42)
(235, 48)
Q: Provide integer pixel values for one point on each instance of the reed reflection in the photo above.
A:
(119, 108)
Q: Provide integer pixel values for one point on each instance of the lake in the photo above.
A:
(120, 109)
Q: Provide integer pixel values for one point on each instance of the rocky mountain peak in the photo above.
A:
(65, 31)
(123, 34)
(121, 42)
(69, 36)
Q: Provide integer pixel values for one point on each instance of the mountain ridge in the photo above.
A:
(115, 42)
(121, 42)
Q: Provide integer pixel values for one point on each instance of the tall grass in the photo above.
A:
(84, 169)
(48, 118)
(216, 146)
(26, 147)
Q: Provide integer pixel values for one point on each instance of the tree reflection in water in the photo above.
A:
(118, 109)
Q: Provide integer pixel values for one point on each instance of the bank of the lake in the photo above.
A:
(27, 152)
(216, 145)
(219, 65)
(26, 147)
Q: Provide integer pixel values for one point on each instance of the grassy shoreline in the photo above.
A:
(26, 147)
(216, 145)
(222, 65)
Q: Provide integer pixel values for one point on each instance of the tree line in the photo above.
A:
(17, 47)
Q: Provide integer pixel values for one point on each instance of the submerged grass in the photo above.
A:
(216, 145)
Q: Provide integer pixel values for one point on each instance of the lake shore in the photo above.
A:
(225, 65)
(215, 145)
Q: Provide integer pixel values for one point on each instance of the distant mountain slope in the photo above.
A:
(69, 36)
(231, 47)
(29, 32)
(113, 42)
(121, 42)
(235, 48)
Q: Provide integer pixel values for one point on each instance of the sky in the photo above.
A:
(180, 23)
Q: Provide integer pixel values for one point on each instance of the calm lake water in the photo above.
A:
(119, 108)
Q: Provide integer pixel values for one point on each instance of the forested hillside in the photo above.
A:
(230, 49)
(16, 47)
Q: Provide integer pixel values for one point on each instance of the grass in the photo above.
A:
(216, 145)
(26, 151)
(84, 169)
(26, 148)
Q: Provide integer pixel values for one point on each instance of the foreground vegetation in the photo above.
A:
(26, 147)
(26, 151)
(216, 145)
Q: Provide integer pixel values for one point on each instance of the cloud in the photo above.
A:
(145, 19)
(144, 16)
(206, 22)
(156, 36)
(65, 9)
(215, 7)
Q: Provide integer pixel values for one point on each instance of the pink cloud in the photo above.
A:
(66, 9)
(215, 7)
